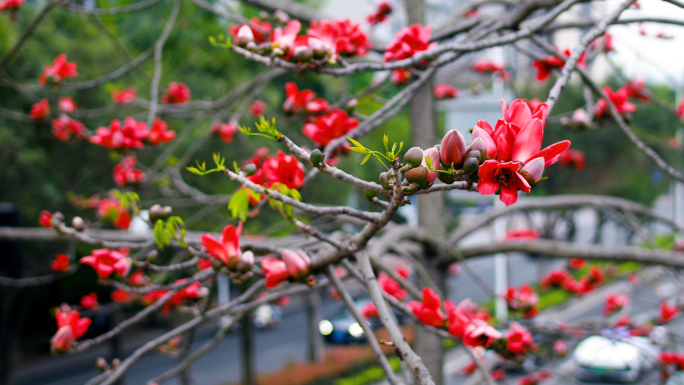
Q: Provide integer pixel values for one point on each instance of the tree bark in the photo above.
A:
(248, 376)
(430, 208)
(312, 304)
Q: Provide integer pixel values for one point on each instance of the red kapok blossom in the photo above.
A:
(137, 279)
(518, 339)
(679, 111)
(125, 173)
(369, 310)
(225, 131)
(40, 110)
(257, 108)
(383, 10)
(227, 248)
(667, 312)
(89, 301)
(12, 5)
(522, 234)
(408, 42)
(105, 262)
(63, 127)
(445, 91)
(524, 299)
(117, 137)
(554, 278)
(574, 158)
(284, 39)
(45, 219)
(297, 101)
(58, 71)
(391, 287)
(158, 133)
(60, 264)
(120, 296)
(560, 348)
(328, 127)
(343, 37)
(400, 76)
(176, 93)
(637, 89)
(485, 65)
(620, 99)
(283, 169)
(480, 333)
(124, 97)
(495, 176)
(67, 104)
(403, 272)
(70, 327)
(429, 311)
(298, 264)
(275, 271)
(577, 263)
(548, 63)
(457, 319)
(615, 302)
(259, 29)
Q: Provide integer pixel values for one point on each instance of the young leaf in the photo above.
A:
(365, 159)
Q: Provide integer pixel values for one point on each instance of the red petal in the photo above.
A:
(528, 141)
(509, 195)
(486, 187)
(214, 247)
(551, 153)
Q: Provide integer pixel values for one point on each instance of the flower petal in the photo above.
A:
(551, 153)
(528, 141)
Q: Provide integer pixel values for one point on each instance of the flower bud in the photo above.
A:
(414, 156)
(350, 107)
(370, 194)
(166, 211)
(244, 36)
(319, 49)
(152, 256)
(297, 263)
(245, 262)
(417, 175)
(101, 364)
(62, 340)
(58, 216)
(479, 145)
(533, 170)
(452, 148)
(471, 164)
(281, 16)
(156, 212)
(433, 154)
(78, 223)
(445, 178)
(302, 53)
(115, 362)
(250, 169)
(384, 181)
(473, 154)
(316, 156)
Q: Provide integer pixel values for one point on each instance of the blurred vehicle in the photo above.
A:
(622, 360)
(342, 328)
(267, 315)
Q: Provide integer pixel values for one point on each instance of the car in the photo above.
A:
(342, 328)
(618, 360)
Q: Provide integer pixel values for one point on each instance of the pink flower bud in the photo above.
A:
(319, 49)
(302, 53)
(478, 144)
(433, 153)
(453, 148)
(298, 263)
(532, 172)
(63, 339)
(244, 35)
(245, 262)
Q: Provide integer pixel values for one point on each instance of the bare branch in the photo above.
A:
(29, 30)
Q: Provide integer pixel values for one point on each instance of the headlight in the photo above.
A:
(355, 330)
(325, 327)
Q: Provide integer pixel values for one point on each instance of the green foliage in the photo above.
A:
(173, 228)
(221, 41)
(389, 155)
(239, 204)
(267, 129)
(128, 199)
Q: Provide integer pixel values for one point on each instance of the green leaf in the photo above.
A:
(356, 143)
(359, 150)
(194, 170)
(239, 205)
(159, 233)
(365, 159)
(385, 140)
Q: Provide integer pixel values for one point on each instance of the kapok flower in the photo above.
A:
(522, 234)
(480, 333)
(63, 127)
(227, 248)
(40, 110)
(12, 5)
(485, 65)
(524, 299)
(138, 278)
(615, 302)
(110, 210)
(257, 27)
(58, 71)
(518, 339)
(577, 263)
(429, 311)
(445, 91)
(89, 301)
(275, 271)
(620, 99)
(70, 327)
(67, 104)
(457, 319)
(177, 93)
(125, 173)
(637, 89)
(433, 154)
(60, 264)
(679, 111)
(667, 312)
(391, 287)
(120, 296)
(158, 133)
(298, 264)
(117, 137)
(547, 63)
(105, 262)
(560, 348)
(369, 310)
(342, 37)
(257, 108)
(403, 272)
(495, 176)
(284, 39)
(124, 97)
(328, 127)
(596, 276)
(400, 76)
(297, 101)
(45, 219)
(283, 169)
(453, 148)
(225, 131)
(384, 8)
(574, 158)
(554, 278)
(408, 42)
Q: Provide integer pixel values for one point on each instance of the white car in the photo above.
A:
(600, 358)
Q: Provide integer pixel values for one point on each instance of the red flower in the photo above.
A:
(620, 99)
(275, 271)
(191, 292)
(297, 101)
(667, 312)
(67, 104)
(596, 276)
(560, 348)
(554, 278)
(203, 264)
(615, 302)
(63, 127)
(227, 248)
(225, 131)
(408, 42)
(369, 310)
(70, 328)
(124, 97)
(257, 108)
(470, 368)
(680, 110)
(40, 110)
(45, 219)
(298, 264)
(12, 5)
(328, 127)
(120, 296)
(518, 339)
(577, 263)
(58, 71)
(480, 333)
(391, 287)
(176, 93)
(445, 91)
(89, 301)
(485, 65)
(403, 272)
(636, 89)
(105, 262)
(380, 15)
(259, 29)
(116, 137)
(60, 264)
(158, 133)
(429, 311)
(125, 173)
(603, 43)
(340, 36)
(524, 299)
(137, 279)
(284, 39)
(547, 63)
(572, 157)
(495, 176)
(283, 169)
(457, 319)
(522, 234)
(258, 157)
(401, 76)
